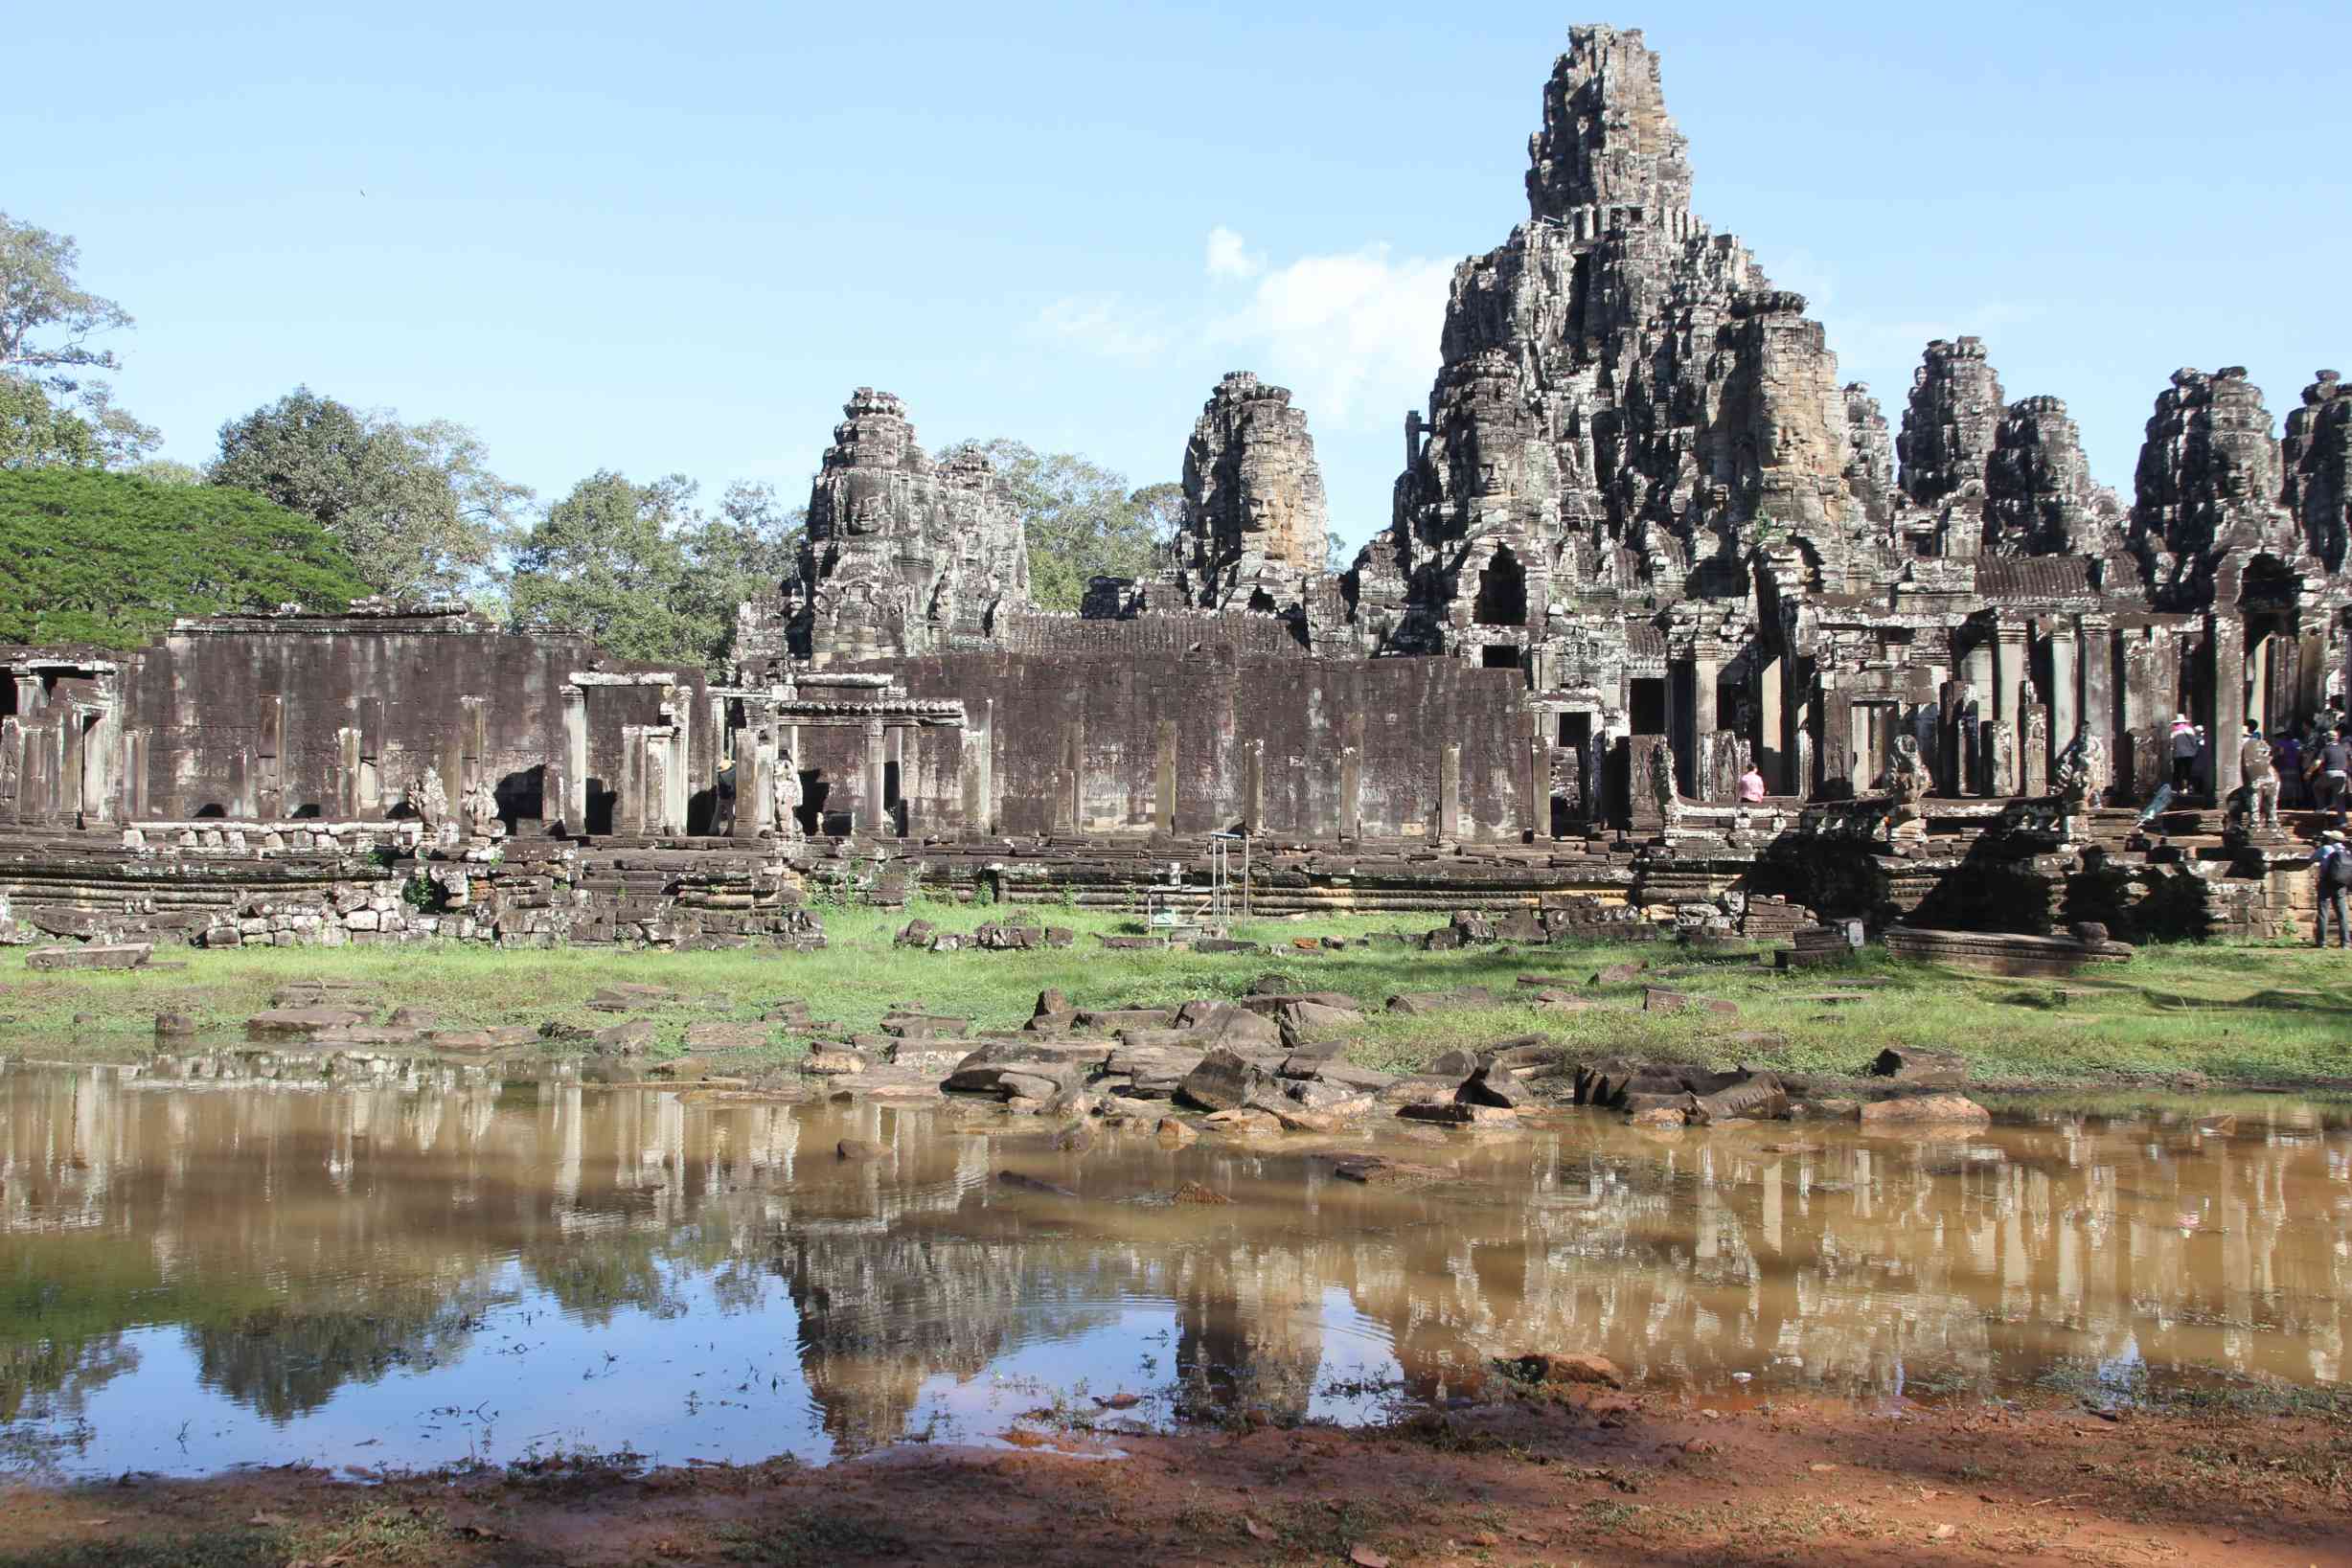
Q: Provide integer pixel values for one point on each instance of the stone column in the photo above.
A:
(2097, 718)
(628, 790)
(1706, 669)
(2226, 644)
(2010, 688)
(2000, 742)
(755, 785)
(1771, 755)
(1977, 669)
(575, 780)
(347, 774)
(1351, 793)
(1836, 744)
(269, 760)
(2146, 699)
(875, 813)
(1539, 786)
(2065, 698)
(1164, 780)
(1253, 789)
(1450, 790)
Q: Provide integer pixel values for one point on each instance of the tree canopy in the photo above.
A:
(107, 558)
(416, 506)
(644, 574)
(1081, 518)
(49, 325)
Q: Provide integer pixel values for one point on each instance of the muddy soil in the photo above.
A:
(1536, 1476)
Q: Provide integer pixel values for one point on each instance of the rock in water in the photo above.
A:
(1912, 1110)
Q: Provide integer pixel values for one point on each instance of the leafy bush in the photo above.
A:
(107, 558)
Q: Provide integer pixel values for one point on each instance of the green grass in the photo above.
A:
(2241, 1013)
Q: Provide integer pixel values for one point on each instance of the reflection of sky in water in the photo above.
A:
(422, 1272)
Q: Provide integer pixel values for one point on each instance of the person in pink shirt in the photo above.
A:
(1751, 784)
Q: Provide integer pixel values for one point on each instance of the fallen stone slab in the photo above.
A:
(630, 997)
(1111, 1020)
(1422, 1004)
(1620, 974)
(1245, 1120)
(2006, 953)
(1543, 1366)
(1226, 1080)
(927, 1025)
(300, 1023)
(717, 1035)
(1924, 1109)
(633, 1038)
(1229, 1024)
(111, 955)
(1271, 1003)
(1655, 1000)
(1380, 1170)
(1454, 1113)
(1927, 1069)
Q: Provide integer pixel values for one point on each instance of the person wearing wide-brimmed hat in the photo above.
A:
(2331, 865)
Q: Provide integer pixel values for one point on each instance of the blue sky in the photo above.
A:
(673, 239)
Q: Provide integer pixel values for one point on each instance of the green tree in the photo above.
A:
(108, 558)
(417, 506)
(1081, 518)
(49, 359)
(610, 562)
(645, 575)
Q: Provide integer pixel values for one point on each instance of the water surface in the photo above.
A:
(417, 1265)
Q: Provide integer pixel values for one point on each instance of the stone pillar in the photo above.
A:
(895, 749)
(2009, 694)
(1976, 670)
(1836, 741)
(575, 780)
(628, 790)
(2226, 646)
(1706, 669)
(979, 809)
(2097, 719)
(1539, 786)
(347, 774)
(1450, 790)
(2147, 711)
(875, 814)
(1253, 789)
(269, 760)
(1351, 793)
(1164, 780)
(1771, 754)
(755, 785)
(2065, 693)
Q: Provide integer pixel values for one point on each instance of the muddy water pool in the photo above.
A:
(435, 1265)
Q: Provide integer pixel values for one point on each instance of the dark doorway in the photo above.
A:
(1500, 656)
(1648, 709)
(1503, 592)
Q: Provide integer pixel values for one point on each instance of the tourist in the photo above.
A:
(1751, 785)
(2335, 771)
(2186, 745)
(2261, 779)
(2287, 763)
(2332, 867)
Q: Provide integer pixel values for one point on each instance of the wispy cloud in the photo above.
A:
(1353, 332)
(1230, 258)
(1105, 325)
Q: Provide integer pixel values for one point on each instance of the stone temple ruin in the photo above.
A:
(1643, 537)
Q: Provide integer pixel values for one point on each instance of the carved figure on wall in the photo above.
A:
(1661, 785)
(427, 800)
(1907, 779)
(2081, 778)
(481, 807)
(784, 795)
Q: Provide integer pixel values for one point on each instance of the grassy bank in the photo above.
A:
(2238, 1014)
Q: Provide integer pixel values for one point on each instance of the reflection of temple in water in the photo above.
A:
(304, 1236)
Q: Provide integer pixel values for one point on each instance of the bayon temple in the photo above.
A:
(1643, 537)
